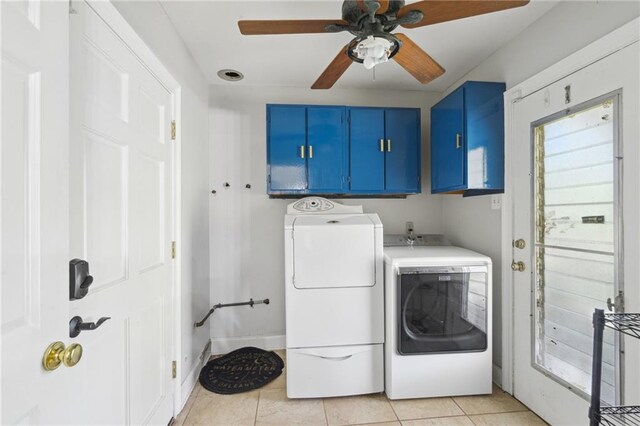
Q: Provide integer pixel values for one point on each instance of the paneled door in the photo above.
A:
(120, 222)
(571, 194)
(34, 210)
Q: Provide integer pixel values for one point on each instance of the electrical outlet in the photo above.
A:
(409, 227)
(496, 202)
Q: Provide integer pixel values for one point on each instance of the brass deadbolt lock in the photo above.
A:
(57, 354)
(519, 244)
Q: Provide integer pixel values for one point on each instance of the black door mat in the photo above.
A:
(242, 370)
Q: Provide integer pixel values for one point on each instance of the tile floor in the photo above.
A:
(270, 406)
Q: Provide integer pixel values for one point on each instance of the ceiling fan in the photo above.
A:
(372, 22)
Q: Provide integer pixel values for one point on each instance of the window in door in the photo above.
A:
(577, 239)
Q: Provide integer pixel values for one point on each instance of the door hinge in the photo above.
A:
(174, 369)
(618, 303)
(173, 130)
(173, 249)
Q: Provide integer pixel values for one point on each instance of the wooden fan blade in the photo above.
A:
(436, 11)
(416, 61)
(332, 73)
(287, 26)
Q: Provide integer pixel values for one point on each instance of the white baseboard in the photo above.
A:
(191, 378)
(497, 375)
(225, 345)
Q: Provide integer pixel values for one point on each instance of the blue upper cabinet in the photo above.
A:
(305, 149)
(447, 143)
(325, 149)
(366, 149)
(287, 136)
(467, 140)
(402, 160)
(384, 150)
(317, 149)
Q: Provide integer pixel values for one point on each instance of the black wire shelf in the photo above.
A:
(628, 324)
(621, 415)
(599, 414)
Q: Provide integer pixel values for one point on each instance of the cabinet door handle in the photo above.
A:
(388, 145)
(310, 151)
(301, 151)
(381, 145)
(458, 141)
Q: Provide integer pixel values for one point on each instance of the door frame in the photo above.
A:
(599, 49)
(116, 22)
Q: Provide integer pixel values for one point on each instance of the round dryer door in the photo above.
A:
(442, 311)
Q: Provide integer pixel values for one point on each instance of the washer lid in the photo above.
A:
(331, 252)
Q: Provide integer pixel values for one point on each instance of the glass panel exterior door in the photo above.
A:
(576, 207)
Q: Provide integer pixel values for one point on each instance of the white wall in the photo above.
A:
(247, 227)
(151, 23)
(566, 28)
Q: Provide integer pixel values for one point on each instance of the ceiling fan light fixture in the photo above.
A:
(373, 50)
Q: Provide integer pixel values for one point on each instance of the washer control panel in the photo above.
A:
(311, 205)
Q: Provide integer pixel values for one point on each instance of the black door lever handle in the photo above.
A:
(76, 325)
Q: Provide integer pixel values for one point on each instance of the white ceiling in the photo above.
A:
(210, 31)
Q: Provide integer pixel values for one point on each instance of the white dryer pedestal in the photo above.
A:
(334, 300)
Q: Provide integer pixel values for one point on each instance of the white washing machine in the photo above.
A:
(438, 322)
(334, 300)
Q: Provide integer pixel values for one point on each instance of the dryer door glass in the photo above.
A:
(442, 311)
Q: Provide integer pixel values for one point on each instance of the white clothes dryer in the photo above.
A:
(334, 300)
(438, 322)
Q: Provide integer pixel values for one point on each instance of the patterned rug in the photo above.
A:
(242, 370)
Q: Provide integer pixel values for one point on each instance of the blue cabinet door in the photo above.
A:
(402, 159)
(325, 149)
(366, 153)
(286, 133)
(484, 118)
(448, 168)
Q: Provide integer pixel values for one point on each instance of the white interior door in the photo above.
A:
(121, 223)
(34, 210)
(571, 194)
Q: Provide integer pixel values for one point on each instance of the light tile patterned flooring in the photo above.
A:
(269, 406)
